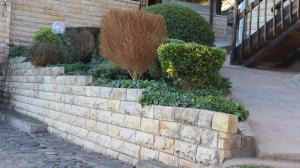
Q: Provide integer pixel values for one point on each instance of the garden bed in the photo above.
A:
(113, 122)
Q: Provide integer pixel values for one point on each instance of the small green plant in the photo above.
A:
(17, 50)
(184, 23)
(191, 65)
(46, 35)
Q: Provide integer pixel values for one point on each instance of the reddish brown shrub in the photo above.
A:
(130, 39)
(45, 53)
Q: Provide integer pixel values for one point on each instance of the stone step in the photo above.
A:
(237, 162)
(22, 122)
(292, 156)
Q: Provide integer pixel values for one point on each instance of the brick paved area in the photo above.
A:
(22, 150)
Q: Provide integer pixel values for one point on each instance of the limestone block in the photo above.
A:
(118, 94)
(169, 129)
(147, 154)
(209, 138)
(94, 147)
(188, 164)
(125, 147)
(93, 114)
(101, 128)
(114, 105)
(118, 119)
(134, 94)
(104, 116)
(164, 113)
(70, 99)
(205, 118)
(207, 156)
(168, 159)
(133, 122)
(93, 91)
(144, 139)
(186, 115)
(145, 111)
(224, 155)
(164, 144)
(105, 92)
(125, 158)
(92, 137)
(225, 122)
(104, 140)
(90, 124)
(150, 125)
(100, 103)
(127, 134)
(191, 134)
(129, 107)
(185, 150)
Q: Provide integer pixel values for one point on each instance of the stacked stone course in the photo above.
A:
(112, 121)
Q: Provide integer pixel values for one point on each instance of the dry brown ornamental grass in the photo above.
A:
(130, 39)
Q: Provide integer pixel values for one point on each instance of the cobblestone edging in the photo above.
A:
(112, 122)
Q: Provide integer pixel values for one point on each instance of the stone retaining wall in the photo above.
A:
(112, 122)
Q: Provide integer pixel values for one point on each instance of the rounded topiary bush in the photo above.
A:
(184, 23)
(190, 64)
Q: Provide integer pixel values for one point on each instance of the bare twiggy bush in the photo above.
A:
(130, 39)
(82, 44)
(45, 53)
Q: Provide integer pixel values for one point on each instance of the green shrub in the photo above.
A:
(17, 50)
(177, 41)
(46, 35)
(190, 64)
(184, 23)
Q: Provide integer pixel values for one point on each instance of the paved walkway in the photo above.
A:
(273, 99)
(21, 150)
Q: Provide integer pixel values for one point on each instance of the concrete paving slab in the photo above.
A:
(274, 104)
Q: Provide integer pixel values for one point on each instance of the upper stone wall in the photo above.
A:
(28, 16)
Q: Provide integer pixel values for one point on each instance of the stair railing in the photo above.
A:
(243, 40)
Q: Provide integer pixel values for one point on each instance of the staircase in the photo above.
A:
(265, 32)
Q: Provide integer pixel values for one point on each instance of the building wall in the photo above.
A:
(28, 16)
(5, 11)
(112, 122)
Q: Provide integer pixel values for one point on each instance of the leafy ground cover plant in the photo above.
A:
(160, 93)
(17, 50)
